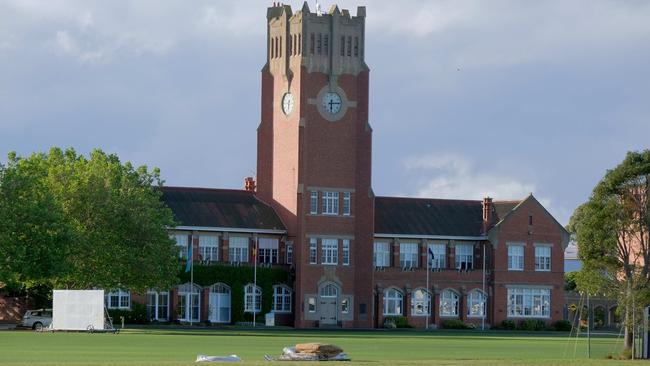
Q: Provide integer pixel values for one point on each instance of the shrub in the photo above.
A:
(454, 324)
(562, 326)
(137, 315)
(508, 325)
(532, 325)
(397, 321)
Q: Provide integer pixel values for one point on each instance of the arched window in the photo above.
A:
(448, 303)
(393, 300)
(118, 299)
(219, 303)
(281, 299)
(252, 298)
(420, 302)
(476, 300)
(329, 290)
(189, 302)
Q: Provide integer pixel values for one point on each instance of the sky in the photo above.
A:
(468, 98)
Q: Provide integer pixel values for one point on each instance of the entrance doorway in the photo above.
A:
(328, 298)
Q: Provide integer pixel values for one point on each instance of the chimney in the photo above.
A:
(487, 212)
(249, 184)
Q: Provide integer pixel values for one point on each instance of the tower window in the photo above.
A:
(272, 46)
(349, 45)
(319, 44)
(530, 219)
(312, 41)
(276, 46)
(295, 49)
(326, 44)
(342, 45)
(280, 53)
(299, 44)
(356, 46)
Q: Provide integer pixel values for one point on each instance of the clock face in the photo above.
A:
(287, 103)
(332, 103)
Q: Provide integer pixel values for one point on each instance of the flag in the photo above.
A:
(431, 257)
(188, 265)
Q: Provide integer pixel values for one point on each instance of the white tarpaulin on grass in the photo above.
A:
(78, 310)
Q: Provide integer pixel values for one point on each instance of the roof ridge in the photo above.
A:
(429, 198)
(207, 189)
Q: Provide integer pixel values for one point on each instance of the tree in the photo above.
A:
(611, 230)
(113, 225)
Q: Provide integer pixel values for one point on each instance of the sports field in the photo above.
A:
(180, 347)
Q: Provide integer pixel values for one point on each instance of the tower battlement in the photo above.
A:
(331, 42)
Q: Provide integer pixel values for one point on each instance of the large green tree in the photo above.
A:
(611, 230)
(91, 222)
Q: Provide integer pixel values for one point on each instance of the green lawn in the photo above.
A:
(180, 347)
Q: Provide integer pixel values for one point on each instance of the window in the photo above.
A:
(189, 303)
(268, 250)
(382, 255)
(326, 44)
(252, 299)
(272, 47)
(280, 53)
(408, 255)
(543, 258)
(448, 303)
(356, 46)
(464, 256)
(329, 290)
(346, 203)
(311, 304)
(392, 302)
(299, 43)
(330, 251)
(530, 220)
(331, 203)
(313, 202)
(349, 47)
(319, 46)
(420, 302)
(529, 302)
(312, 41)
(289, 259)
(345, 306)
(276, 47)
(476, 304)
(209, 247)
(342, 45)
(294, 49)
(181, 244)
(219, 303)
(118, 299)
(157, 305)
(438, 255)
(281, 299)
(515, 257)
(346, 252)
(238, 249)
(313, 251)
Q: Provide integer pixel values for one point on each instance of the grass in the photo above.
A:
(180, 347)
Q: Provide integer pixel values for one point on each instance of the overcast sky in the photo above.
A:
(467, 98)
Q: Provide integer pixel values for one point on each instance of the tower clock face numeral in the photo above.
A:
(287, 103)
(332, 103)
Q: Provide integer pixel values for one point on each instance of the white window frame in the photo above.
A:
(329, 251)
(238, 249)
(381, 257)
(189, 300)
(313, 251)
(393, 302)
(476, 304)
(122, 298)
(420, 302)
(529, 302)
(313, 202)
(267, 250)
(289, 253)
(543, 258)
(223, 291)
(346, 251)
(181, 243)
(311, 304)
(449, 303)
(439, 260)
(346, 203)
(409, 253)
(252, 299)
(158, 305)
(209, 247)
(330, 203)
(464, 253)
(516, 254)
(281, 299)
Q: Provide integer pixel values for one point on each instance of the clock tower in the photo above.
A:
(314, 160)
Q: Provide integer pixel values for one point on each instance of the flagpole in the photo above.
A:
(484, 294)
(191, 259)
(255, 282)
(428, 293)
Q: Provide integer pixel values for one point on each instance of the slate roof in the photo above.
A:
(503, 208)
(424, 216)
(220, 208)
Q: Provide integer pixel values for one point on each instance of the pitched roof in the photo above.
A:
(424, 216)
(220, 208)
(503, 208)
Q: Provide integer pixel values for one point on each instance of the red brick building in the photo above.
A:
(355, 259)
